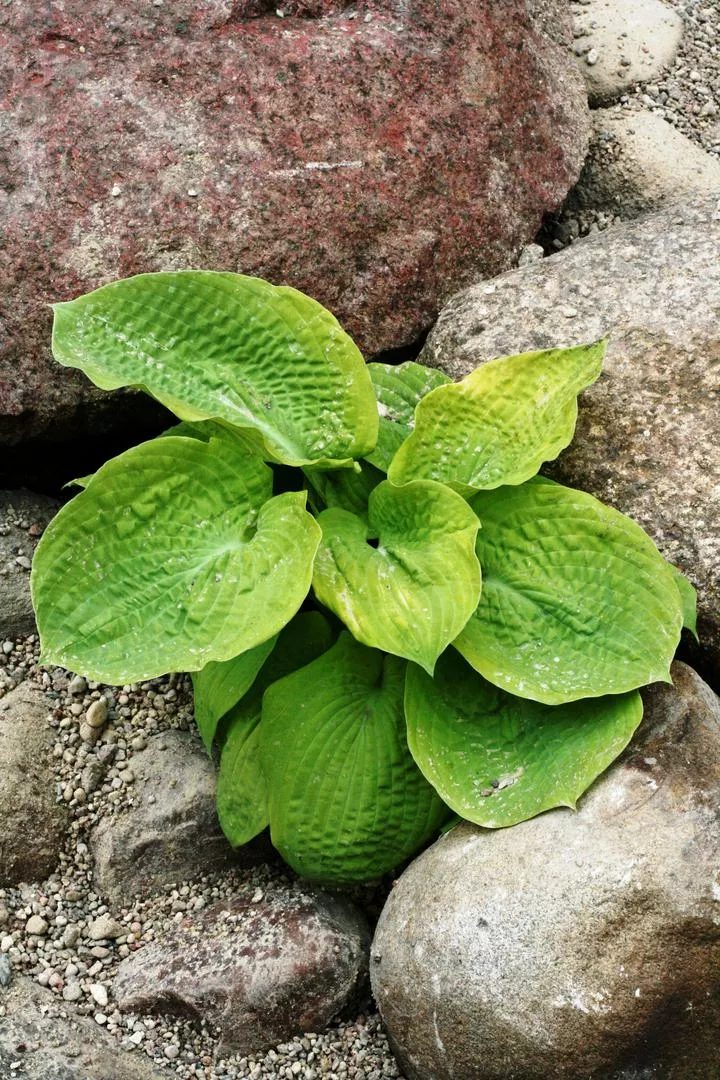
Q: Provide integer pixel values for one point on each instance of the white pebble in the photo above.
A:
(99, 994)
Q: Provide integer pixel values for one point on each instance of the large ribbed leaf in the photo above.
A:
(242, 794)
(222, 683)
(347, 801)
(398, 389)
(576, 602)
(230, 347)
(688, 599)
(501, 422)
(174, 555)
(413, 592)
(498, 759)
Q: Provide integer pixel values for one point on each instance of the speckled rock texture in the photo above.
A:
(572, 945)
(171, 833)
(23, 517)
(42, 1038)
(623, 42)
(647, 434)
(378, 156)
(32, 823)
(637, 162)
(260, 968)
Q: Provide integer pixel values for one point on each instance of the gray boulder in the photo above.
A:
(32, 823)
(44, 1039)
(171, 833)
(575, 945)
(23, 516)
(638, 161)
(647, 435)
(623, 42)
(260, 968)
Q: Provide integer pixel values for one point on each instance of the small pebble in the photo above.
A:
(36, 925)
(99, 994)
(97, 714)
(105, 927)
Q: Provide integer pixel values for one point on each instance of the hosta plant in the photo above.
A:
(388, 616)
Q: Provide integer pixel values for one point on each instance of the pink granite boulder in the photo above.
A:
(378, 155)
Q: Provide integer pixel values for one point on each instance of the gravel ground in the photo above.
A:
(95, 780)
(687, 96)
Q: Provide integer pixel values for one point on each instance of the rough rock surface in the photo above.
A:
(378, 157)
(638, 161)
(260, 968)
(44, 1039)
(171, 833)
(32, 823)
(647, 434)
(572, 945)
(623, 42)
(23, 516)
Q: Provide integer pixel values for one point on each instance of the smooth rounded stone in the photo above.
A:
(99, 994)
(647, 433)
(377, 157)
(42, 1038)
(36, 925)
(23, 516)
(97, 713)
(172, 833)
(638, 161)
(623, 42)
(259, 970)
(575, 944)
(104, 928)
(32, 824)
(6, 971)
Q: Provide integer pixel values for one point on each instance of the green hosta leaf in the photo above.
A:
(498, 759)
(501, 422)
(202, 430)
(347, 802)
(174, 555)
(347, 489)
(398, 389)
(79, 481)
(242, 794)
(688, 599)
(576, 602)
(222, 683)
(413, 593)
(221, 345)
